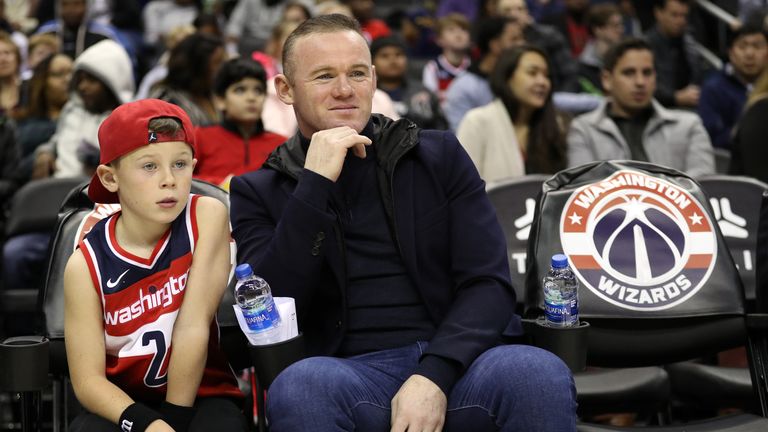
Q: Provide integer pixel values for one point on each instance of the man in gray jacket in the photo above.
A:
(632, 125)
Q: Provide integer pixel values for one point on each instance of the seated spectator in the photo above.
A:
(748, 149)
(632, 125)
(471, 89)
(412, 100)
(520, 132)
(159, 366)
(363, 11)
(564, 66)
(10, 79)
(724, 93)
(36, 121)
(452, 34)
(159, 70)
(239, 144)
(192, 65)
(162, 16)
(251, 22)
(571, 23)
(680, 68)
(40, 46)
(383, 234)
(76, 32)
(605, 29)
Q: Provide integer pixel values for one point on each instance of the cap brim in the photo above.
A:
(99, 194)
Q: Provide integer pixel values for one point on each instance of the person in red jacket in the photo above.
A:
(239, 144)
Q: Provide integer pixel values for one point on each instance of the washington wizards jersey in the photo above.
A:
(141, 298)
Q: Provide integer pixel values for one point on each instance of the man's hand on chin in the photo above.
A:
(418, 406)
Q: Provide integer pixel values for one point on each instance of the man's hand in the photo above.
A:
(418, 406)
(329, 147)
(44, 165)
(688, 96)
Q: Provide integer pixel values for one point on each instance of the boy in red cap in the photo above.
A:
(142, 289)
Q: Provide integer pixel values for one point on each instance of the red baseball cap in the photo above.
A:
(127, 129)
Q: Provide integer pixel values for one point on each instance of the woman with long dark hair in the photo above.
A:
(192, 66)
(520, 132)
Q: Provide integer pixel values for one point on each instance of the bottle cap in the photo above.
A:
(559, 261)
(243, 271)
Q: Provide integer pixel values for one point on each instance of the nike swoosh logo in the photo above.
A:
(111, 284)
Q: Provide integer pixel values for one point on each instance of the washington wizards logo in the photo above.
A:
(637, 241)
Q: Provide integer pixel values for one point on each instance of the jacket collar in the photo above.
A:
(391, 138)
(660, 116)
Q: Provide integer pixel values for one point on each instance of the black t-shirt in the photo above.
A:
(632, 130)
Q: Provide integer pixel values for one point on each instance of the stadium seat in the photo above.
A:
(515, 201)
(34, 208)
(736, 205)
(656, 286)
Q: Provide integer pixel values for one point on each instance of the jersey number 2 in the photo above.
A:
(153, 378)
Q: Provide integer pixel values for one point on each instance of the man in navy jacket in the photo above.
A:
(383, 234)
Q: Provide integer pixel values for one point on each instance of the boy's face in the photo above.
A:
(390, 62)
(244, 100)
(154, 181)
(454, 37)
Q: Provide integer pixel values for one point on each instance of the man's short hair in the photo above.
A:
(452, 19)
(236, 70)
(488, 29)
(320, 24)
(616, 52)
(747, 29)
(598, 15)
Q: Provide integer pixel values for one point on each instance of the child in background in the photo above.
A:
(239, 144)
(142, 289)
(411, 99)
(453, 37)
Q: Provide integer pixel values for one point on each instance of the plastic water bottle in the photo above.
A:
(254, 296)
(561, 299)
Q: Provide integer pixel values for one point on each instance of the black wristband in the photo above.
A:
(179, 417)
(137, 418)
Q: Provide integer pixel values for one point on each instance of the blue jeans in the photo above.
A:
(507, 388)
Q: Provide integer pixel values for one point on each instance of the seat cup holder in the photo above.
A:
(568, 343)
(24, 363)
(269, 360)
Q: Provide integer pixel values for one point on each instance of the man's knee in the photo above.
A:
(306, 380)
(516, 366)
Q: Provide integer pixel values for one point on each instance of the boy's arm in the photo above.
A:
(205, 287)
(86, 353)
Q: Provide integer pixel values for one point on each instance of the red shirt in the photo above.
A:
(222, 151)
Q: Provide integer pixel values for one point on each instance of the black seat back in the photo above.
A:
(35, 206)
(735, 202)
(515, 203)
(655, 284)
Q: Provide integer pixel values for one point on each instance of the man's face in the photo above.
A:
(672, 18)
(95, 95)
(632, 82)
(612, 31)
(390, 62)
(516, 9)
(749, 56)
(332, 84)
(72, 12)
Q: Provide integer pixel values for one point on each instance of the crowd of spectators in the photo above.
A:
(530, 86)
